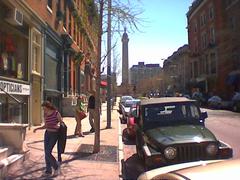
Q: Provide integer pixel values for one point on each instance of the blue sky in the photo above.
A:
(163, 31)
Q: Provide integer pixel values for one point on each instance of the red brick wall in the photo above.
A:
(223, 46)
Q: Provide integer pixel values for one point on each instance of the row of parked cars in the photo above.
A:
(170, 131)
(217, 102)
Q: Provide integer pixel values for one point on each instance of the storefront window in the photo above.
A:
(51, 73)
(12, 111)
(13, 52)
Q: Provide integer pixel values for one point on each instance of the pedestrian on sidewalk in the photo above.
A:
(79, 116)
(52, 120)
(91, 110)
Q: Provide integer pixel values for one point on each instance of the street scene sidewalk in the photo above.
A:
(78, 160)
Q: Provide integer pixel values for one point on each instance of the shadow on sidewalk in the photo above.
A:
(85, 152)
(29, 171)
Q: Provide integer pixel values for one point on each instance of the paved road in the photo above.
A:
(224, 124)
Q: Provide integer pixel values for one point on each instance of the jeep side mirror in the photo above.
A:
(203, 115)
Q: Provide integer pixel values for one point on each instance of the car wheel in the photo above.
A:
(236, 107)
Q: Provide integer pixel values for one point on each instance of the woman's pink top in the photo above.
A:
(51, 121)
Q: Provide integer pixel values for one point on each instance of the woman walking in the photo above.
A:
(52, 120)
(79, 115)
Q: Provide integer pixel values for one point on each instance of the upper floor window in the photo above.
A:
(195, 45)
(213, 63)
(230, 3)
(211, 12)
(49, 5)
(195, 69)
(212, 35)
(195, 27)
(203, 19)
(206, 64)
(232, 23)
(204, 40)
(36, 48)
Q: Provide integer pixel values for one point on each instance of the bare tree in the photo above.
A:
(123, 15)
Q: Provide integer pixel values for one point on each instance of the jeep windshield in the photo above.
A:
(171, 114)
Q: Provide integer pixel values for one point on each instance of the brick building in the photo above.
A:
(143, 71)
(42, 43)
(213, 42)
(70, 33)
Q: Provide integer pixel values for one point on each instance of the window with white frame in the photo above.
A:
(204, 40)
(212, 35)
(203, 19)
(36, 51)
(211, 12)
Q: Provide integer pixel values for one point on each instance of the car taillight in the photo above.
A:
(131, 121)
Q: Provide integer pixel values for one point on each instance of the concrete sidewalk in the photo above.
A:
(78, 160)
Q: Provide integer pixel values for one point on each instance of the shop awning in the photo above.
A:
(233, 78)
(103, 83)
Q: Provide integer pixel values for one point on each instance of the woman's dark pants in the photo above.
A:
(50, 139)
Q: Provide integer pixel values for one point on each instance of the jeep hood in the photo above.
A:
(180, 134)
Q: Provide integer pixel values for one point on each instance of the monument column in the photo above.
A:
(125, 77)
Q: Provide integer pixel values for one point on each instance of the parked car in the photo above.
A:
(126, 108)
(207, 170)
(215, 102)
(172, 130)
(122, 102)
(131, 127)
(236, 102)
(131, 122)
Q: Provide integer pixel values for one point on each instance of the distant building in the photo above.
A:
(143, 71)
(176, 70)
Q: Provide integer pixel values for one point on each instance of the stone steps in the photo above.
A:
(9, 160)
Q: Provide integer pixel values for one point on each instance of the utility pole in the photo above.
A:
(109, 76)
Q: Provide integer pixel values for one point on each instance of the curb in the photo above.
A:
(120, 153)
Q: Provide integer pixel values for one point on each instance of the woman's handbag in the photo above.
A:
(82, 115)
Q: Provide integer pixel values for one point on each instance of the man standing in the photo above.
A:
(91, 110)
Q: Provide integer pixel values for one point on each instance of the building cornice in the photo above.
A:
(196, 6)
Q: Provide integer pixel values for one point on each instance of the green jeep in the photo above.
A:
(171, 130)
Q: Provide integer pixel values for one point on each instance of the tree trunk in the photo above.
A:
(96, 147)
